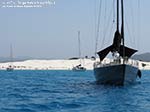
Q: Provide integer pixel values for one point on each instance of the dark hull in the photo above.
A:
(9, 69)
(79, 70)
(116, 74)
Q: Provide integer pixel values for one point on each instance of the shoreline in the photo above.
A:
(59, 64)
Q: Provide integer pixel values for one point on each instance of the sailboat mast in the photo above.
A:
(11, 53)
(79, 44)
(118, 15)
(122, 27)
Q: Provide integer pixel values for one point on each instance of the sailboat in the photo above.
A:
(10, 67)
(79, 67)
(121, 70)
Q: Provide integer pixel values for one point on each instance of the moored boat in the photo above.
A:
(120, 70)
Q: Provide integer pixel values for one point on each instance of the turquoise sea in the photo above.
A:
(68, 91)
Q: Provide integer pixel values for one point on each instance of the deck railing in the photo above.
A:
(112, 62)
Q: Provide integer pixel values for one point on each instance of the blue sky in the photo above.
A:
(51, 32)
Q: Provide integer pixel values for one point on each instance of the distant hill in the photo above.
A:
(22, 58)
(6, 59)
(142, 57)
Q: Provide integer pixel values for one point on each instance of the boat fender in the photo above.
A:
(139, 74)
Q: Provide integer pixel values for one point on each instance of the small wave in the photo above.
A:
(16, 110)
(65, 105)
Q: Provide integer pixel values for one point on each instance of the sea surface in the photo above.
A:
(68, 91)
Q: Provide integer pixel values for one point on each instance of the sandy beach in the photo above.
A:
(48, 64)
